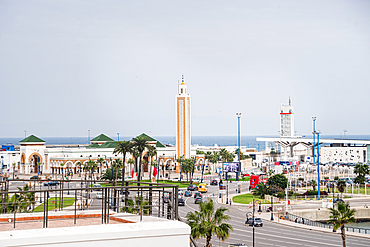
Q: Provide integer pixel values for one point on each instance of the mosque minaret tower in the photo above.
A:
(183, 121)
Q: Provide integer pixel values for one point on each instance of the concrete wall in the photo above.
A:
(323, 214)
(154, 234)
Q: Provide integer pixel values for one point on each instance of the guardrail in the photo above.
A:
(301, 220)
(135, 198)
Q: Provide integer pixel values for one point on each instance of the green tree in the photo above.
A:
(261, 190)
(279, 180)
(108, 174)
(361, 170)
(135, 154)
(134, 206)
(208, 222)
(141, 144)
(223, 155)
(340, 216)
(123, 147)
(313, 184)
(187, 167)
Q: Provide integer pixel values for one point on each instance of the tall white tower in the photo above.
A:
(287, 120)
(183, 126)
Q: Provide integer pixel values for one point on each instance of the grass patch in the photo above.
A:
(247, 198)
(53, 203)
(241, 179)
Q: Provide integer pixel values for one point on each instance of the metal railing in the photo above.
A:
(301, 220)
(45, 204)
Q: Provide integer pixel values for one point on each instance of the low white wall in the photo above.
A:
(159, 233)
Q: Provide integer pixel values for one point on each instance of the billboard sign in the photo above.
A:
(231, 167)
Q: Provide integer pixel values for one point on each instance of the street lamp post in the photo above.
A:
(314, 146)
(118, 136)
(227, 189)
(272, 206)
(238, 114)
(318, 162)
(252, 214)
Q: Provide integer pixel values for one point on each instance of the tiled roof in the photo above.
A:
(150, 139)
(32, 138)
(102, 138)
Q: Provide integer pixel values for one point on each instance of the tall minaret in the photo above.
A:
(287, 119)
(183, 126)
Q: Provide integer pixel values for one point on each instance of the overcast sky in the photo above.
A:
(112, 66)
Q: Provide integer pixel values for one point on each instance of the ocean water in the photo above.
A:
(248, 141)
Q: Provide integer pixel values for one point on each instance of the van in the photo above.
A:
(202, 188)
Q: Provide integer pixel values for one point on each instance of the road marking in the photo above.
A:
(271, 235)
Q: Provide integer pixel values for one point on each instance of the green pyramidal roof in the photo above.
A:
(109, 145)
(150, 139)
(32, 138)
(93, 145)
(102, 138)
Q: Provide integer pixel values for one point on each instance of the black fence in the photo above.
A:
(41, 200)
(301, 220)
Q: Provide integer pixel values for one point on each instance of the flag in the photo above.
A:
(137, 171)
(155, 172)
(163, 171)
(133, 172)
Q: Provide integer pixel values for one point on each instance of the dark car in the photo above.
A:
(34, 177)
(181, 202)
(51, 183)
(192, 187)
(197, 194)
(198, 200)
(188, 193)
(214, 182)
(257, 222)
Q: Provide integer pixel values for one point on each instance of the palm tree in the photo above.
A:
(152, 151)
(101, 162)
(79, 164)
(123, 147)
(131, 162)
(141, 144)
(117, 164)
(135, 153)
(341, 186)
(341, 216)
(208, 222)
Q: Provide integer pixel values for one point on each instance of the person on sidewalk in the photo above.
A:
(230, 201)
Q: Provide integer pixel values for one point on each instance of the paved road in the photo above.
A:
(271, 234)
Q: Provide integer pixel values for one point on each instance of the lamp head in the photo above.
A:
(313, 118)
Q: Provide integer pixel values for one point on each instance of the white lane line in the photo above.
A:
(296, 239)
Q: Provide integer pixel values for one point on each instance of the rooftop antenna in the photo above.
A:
(289, 100)
(182, 77)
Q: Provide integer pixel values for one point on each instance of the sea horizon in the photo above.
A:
(248, 141)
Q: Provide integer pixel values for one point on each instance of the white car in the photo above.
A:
(99, 195)
(175, 179)
(197, 180)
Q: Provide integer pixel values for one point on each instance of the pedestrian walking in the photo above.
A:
(230, 202)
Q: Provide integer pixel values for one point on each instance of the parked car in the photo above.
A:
(97, 186)
(197, 194)
(214, 182)
(188, 193)
(198, 200)
(181, 193)
(34, 177)
(181, 202)
(196, 180)
(176, 179)
(51, 183)
(99, 195)
(192, 187)
(256, 221)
